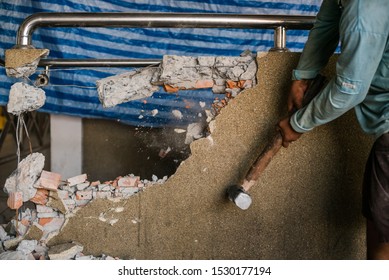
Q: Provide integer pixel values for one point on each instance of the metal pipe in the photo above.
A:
(58, 63)
(147, 20)
(279, 40)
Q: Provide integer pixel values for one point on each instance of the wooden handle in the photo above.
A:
(275, 144)
(264, 158)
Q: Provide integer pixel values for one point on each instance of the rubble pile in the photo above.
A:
(54, 201)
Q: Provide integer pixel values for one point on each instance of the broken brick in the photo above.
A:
(95, 183)
(49, 180)
(204, 84)
(44, 221)
(82, 186)
(231, 84)
(76, 180)
(63, 194)
(128, 181)
(101, 194)
(41, 197)
(53, 214)
(241, 83)
(44, 209)
(15, 200)
(84, 195)
(170, 89)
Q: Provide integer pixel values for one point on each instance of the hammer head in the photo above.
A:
(239, 196)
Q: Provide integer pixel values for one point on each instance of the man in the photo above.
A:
(361, 82)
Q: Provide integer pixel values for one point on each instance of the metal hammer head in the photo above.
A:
(239, 196)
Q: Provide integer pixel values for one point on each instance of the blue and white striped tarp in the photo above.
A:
(73, 92)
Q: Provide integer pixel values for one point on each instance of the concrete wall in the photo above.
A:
(306, 204)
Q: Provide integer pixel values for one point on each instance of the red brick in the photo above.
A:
(128, 181)
(41, 197)
(77, 180)
(170, 89)
(204, 84)
(231, 84)
(84, 195)
(95, 183)
(43, 221)
(15, 200)
(50, 180)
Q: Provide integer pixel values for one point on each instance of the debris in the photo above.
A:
(128, 181)
(66, 251)
(15, 200)
(35, 232)
(194, 131)
(41, 197)
(27, 246)
(57, 203)
(76, 180)
(48, 218)
(25, 98)
(179, 130)
(12, 243)
(49, 180)
(177, 114)
(25, 176)
(3, 234)
(154, 112)
(82, 186)
(163, 152)
(187, 72)
(15, 255)
(125, 87)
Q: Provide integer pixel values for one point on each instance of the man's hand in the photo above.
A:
(288, 133)
(296, 94)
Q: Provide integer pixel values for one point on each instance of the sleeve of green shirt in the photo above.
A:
(362, 47)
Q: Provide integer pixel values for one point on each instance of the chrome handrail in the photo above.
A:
(152, 20)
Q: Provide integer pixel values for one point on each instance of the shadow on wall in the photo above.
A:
(112, 149)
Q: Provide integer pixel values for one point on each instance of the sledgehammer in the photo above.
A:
(239, 193)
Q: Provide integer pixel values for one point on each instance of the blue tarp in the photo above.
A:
(73, 91)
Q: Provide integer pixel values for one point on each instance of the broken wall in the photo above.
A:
(305, 206)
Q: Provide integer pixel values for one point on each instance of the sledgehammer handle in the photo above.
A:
(262, 161)
(275, 144)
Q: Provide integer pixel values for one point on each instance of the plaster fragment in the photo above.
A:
(25, 176)
(125, 87)
(25, 98)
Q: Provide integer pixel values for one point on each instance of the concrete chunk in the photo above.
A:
(12, 243)
(186, 72)
(25, 98)
(35, 232)
(126, 87)
(15, 255)
(25, 176)
(66, 251)
(3, 234)
(27, 246)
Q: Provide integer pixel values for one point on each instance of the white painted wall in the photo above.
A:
(66, 145)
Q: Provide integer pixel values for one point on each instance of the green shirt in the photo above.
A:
(362, 69)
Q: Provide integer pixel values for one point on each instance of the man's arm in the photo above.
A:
(322, 42)
(363, 42)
